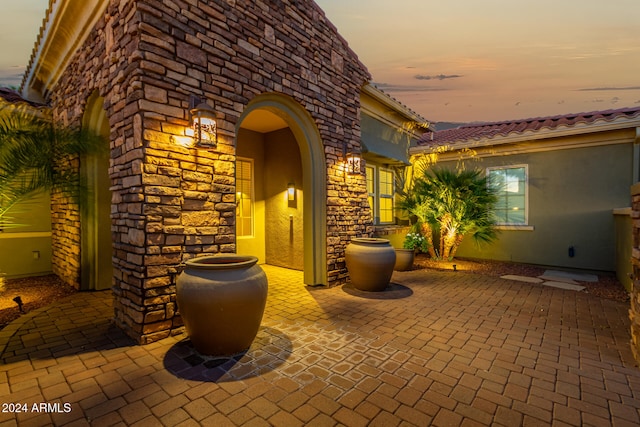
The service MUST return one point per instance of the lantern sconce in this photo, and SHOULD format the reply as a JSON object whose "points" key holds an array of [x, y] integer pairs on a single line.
{"points": [[291, 192], [203, 122], [353, 164], [352, 161]]}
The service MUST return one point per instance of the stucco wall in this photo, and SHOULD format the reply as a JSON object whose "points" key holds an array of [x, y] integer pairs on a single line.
{"points": [[572, 194], [283, 219], [25, 250], [384, 143], [278, 222]]}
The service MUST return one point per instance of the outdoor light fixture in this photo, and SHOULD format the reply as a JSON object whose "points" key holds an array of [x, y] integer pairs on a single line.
{"points": [[291, 192], [18, 301], [203, 123], [353, 164], [352, 161]]}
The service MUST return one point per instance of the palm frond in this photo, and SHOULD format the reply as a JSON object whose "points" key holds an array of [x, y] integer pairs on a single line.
{"points": [[455, 203], [36, 155]]}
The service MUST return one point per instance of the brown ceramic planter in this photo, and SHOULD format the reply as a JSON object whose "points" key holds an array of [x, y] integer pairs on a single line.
{"points": [[404, 259], [370, 263], [222, 300]]}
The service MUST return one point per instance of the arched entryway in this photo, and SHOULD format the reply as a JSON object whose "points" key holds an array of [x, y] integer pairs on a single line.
{"points": [[279, 145], [96, 268]]}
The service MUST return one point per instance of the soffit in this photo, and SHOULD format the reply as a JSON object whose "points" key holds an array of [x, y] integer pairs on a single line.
{"points": [[378, 104], [263, 121]]}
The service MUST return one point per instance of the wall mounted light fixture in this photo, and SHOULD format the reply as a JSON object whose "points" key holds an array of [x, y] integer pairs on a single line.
{"points": [[203, 122], [352, 160], [291, 192]]}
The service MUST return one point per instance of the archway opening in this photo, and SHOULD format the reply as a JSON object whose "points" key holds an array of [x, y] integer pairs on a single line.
{"points": [[281, 187], [96, 245]]}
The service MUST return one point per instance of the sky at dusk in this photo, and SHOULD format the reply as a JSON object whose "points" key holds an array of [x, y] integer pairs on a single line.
{"points": [[470, 60], [459, 60], [18, 33]]}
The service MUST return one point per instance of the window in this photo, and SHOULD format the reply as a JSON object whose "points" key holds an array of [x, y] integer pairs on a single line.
{"points": [[386, 196], [244, 197], [511, 186], [371, 189], [380, 192]]}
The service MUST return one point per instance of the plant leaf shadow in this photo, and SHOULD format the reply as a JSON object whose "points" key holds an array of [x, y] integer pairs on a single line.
{"points": [[270, 349]]}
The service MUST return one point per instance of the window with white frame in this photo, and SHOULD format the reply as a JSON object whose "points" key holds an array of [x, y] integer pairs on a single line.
{"points": [[510, 184], [244, 197], [380, 192], [386, 196], [371, 189]]}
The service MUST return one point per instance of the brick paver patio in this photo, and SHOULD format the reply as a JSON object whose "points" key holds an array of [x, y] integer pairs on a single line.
{"points": [[440, 348]]}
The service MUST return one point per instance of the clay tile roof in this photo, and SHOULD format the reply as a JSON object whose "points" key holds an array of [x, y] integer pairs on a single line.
{"points": [[10, 96], [483, 131]]}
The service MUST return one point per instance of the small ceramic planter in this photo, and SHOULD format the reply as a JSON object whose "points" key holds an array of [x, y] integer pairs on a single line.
{"points": [[404, 259], [221, 300], [370, 263]]}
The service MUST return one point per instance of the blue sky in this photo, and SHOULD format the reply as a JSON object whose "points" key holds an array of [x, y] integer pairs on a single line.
{"points": [[459, 60]]}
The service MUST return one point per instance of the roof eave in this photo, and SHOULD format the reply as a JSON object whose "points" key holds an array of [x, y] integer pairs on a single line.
{"points": [[65, 28], [527, 136], [396, 106]]}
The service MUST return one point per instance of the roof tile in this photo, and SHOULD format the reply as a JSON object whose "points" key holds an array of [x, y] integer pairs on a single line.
{"points": [[478, 131], [10, 96]]}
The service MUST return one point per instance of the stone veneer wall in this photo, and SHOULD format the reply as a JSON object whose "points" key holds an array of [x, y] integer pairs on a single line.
{"points": [[171, 202], [90, 71], [634, 312]]}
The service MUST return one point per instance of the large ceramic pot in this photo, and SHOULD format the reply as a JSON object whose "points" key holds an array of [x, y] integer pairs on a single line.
{"points": [[222, 299], [404, 259], [370, 263]]}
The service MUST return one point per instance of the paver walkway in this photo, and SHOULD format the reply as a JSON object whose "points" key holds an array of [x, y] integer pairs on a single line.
{"points": [[441, 348]]}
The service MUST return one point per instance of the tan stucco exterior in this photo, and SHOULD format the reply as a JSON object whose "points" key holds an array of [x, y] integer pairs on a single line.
{"points": [[577, 177], [25, 250]]}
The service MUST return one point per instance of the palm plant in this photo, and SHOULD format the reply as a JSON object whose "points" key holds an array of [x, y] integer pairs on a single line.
{"points": [[452, 205], [414, 204], [33, 153]]}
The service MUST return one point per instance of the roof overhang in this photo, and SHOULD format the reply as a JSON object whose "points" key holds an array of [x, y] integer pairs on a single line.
{"points": [[557, 134], [386, 109], [65, 28], [387, 127]]}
